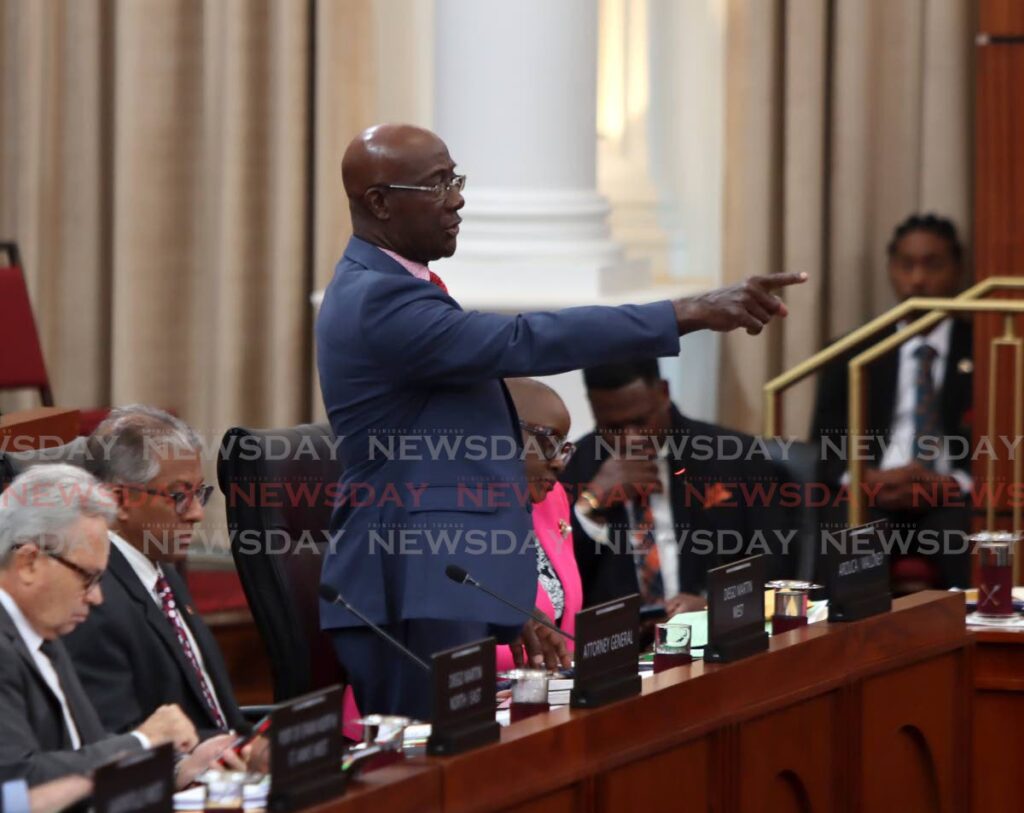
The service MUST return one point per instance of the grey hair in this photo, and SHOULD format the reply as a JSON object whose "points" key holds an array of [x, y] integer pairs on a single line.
{"points": [[44, 501], [129, 445]]}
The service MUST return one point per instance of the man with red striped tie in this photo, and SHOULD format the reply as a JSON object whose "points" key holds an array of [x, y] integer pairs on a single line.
{"points": [[430, 441]]}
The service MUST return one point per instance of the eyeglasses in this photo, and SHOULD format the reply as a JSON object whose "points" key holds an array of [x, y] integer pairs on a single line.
{"points": [[182, 499], [553, 446], [439, 191], [90, 578]]}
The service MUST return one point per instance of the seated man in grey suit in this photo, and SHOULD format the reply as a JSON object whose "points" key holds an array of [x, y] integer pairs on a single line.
{"points": [[146, 646], [53, 553]]}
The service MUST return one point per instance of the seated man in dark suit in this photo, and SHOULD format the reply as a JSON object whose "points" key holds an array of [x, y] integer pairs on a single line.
{"points": [[919, 397], [146, 646], [53, 553], [660, 497]]}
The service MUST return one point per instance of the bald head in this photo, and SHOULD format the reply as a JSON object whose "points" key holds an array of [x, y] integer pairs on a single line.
{"points": [[411, 222], [538, 404], [386, 153]]}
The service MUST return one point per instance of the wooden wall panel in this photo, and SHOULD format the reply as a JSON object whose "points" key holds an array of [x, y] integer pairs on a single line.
{"points": [[568, 800], [788, 759], [911, 729], [1002, 17], [998, 219], [997, 781], [677, 779]]}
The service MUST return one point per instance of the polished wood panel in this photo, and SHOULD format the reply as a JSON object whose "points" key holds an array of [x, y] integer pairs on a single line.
{"points": [[916, 737], [569, 800], [997, 752], [998, 214], [412, 787], [685, 771], [40, 428], [788, 759], [1002, 17]]}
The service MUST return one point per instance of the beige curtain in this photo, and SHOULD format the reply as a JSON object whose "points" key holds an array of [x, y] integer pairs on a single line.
{"points": [[170, 169], [842, 117]]}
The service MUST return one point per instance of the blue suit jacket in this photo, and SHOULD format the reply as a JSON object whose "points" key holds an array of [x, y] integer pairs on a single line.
{"points": [[430, 442]]}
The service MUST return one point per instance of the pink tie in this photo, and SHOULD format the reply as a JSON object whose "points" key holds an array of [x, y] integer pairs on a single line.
{"points": [[167, 603]]}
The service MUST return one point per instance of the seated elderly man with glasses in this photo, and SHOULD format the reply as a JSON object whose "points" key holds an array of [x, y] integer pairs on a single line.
{"points": [[53, 554], [146, 646]]}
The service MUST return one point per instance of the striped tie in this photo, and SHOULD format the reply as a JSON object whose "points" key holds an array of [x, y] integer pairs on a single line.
{"points": [[434, 278], [168, 605]]}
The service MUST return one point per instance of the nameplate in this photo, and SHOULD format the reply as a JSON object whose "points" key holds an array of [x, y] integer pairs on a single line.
{"points": [[736, 611], [463, 700], [306, 750], [606, 653], [141, 782], [857, 572]]}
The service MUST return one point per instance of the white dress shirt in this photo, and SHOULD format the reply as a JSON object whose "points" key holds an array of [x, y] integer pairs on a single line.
{"points": [[33, 641], [664, 530], [148, 573], [900, 449]]}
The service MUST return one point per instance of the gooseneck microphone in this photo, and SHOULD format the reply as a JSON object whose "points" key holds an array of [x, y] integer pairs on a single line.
{"points": [[460, 576], [332, 596]]}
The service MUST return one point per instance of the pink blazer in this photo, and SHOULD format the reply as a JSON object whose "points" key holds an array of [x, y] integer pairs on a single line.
{"points": [[553, 526]]}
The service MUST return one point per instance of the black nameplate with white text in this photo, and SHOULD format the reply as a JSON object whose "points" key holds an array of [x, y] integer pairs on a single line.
{"points": [[463, 707], [141, 782], [305, 750], [606, 653], [857, 572], [736, 611]]}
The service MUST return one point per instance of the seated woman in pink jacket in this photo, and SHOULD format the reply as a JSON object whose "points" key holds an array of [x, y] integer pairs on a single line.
{"points": [[545, 424]]}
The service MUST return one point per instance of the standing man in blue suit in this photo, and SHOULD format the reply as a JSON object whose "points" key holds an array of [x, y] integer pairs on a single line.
{"points": [[412, 383]]}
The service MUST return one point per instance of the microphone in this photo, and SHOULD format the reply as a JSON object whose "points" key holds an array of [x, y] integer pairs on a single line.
{"points": [[460, 576], [332, 596]]}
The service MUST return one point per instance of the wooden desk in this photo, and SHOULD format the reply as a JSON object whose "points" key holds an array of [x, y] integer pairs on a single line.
{"points": [[997, 783], [412, 787], [869, 716], [39, 428]]}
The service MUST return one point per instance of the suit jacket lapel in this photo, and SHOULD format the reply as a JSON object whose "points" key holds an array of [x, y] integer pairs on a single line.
{"points": [[90, 729], [957, 380], [11, 631], [155, 618]]}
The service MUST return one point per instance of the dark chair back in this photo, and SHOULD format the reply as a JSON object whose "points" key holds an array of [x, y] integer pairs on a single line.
{"points": [[798, 465], [278, 486], [14, 463]]}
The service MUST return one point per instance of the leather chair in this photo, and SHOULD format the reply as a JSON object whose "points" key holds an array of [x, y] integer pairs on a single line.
{"points": [[278, 486], [14, 463], [798, 462]]}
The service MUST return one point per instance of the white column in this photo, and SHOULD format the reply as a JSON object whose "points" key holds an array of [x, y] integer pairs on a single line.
{"points": [[623, 119], [515, 99]]}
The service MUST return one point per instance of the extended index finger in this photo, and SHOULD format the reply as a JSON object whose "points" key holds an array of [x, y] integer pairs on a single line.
{"points": [[774, 281]]}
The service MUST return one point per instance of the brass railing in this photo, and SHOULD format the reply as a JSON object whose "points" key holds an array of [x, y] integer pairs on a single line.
{"points": [[938, 309]]}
